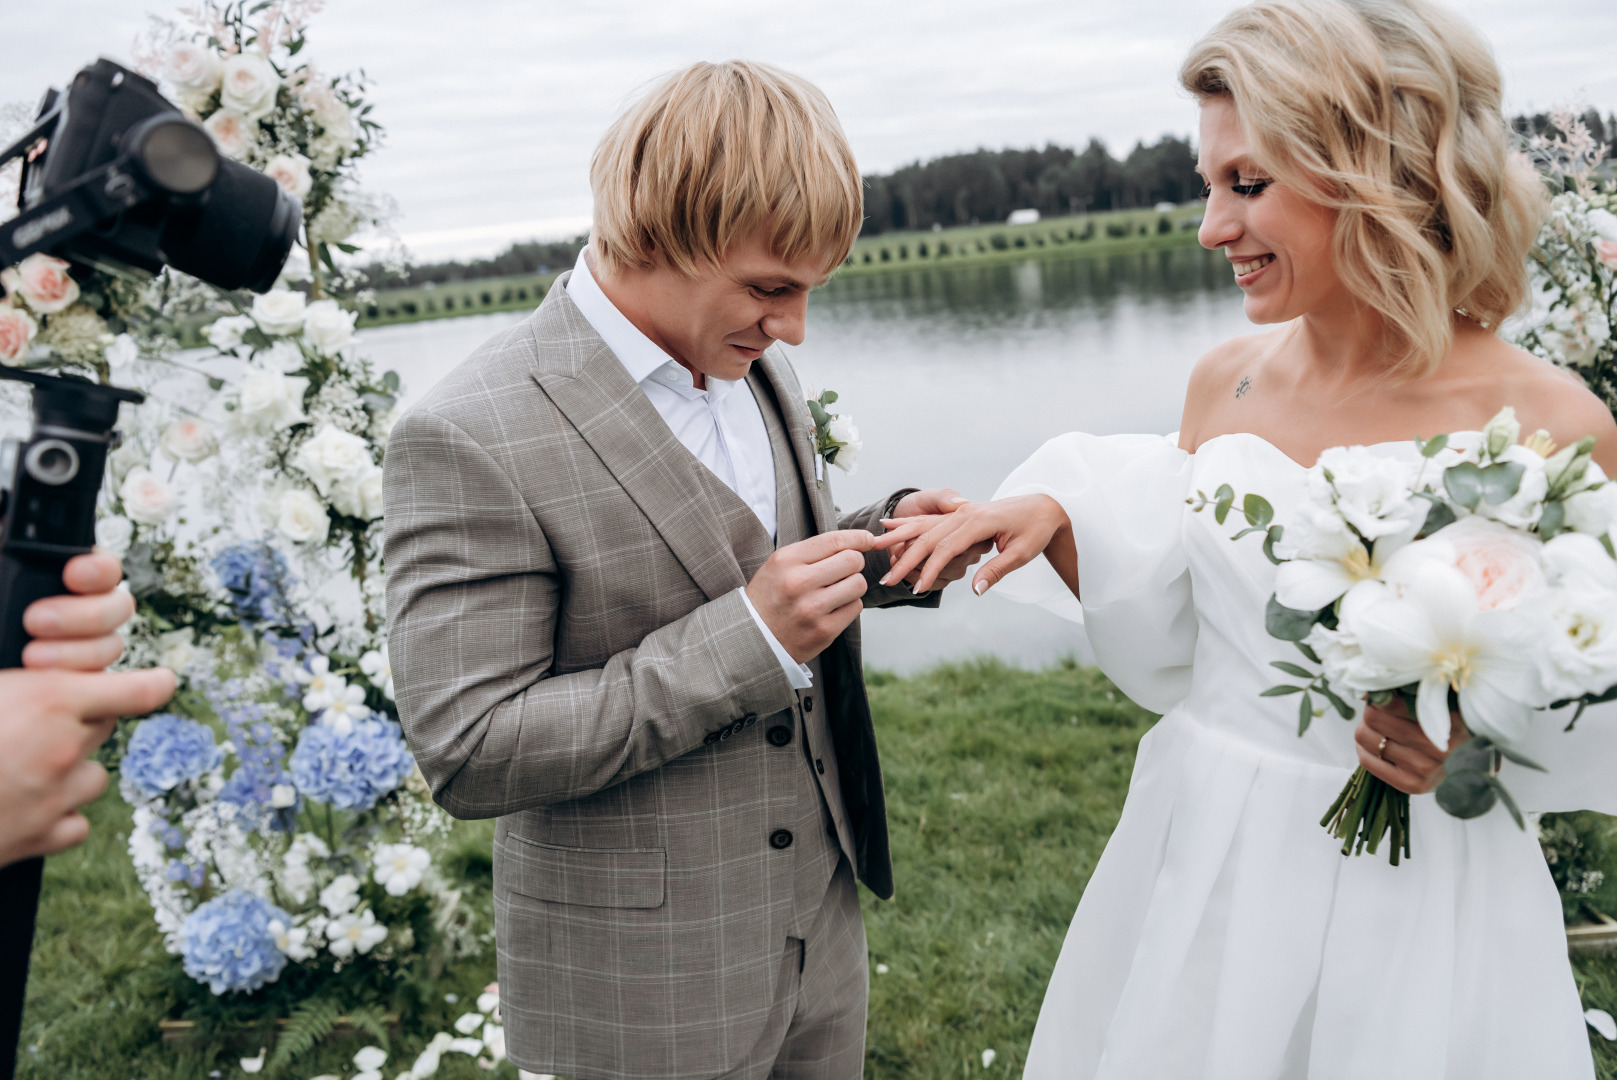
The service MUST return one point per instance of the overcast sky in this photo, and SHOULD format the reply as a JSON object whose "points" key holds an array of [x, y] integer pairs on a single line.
{"points": [[493, 106]]}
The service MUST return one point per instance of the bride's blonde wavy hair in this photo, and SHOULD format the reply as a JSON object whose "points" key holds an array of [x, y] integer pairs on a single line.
{"points": [[1387, 111]]}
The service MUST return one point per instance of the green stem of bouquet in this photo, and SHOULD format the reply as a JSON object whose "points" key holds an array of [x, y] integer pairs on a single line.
{"points": [[1365, 812]]}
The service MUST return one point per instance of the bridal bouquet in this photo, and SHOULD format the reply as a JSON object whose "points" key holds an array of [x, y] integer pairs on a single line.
{"points": [[1476, 575]]}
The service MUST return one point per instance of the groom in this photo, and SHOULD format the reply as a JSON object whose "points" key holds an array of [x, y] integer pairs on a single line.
{"points": [[624, 612]]}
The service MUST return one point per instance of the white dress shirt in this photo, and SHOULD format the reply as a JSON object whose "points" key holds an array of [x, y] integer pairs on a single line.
{"points": [[722, 425]]}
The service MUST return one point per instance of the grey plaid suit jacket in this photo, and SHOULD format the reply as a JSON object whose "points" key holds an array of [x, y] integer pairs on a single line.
{"points": [[566, 641]]}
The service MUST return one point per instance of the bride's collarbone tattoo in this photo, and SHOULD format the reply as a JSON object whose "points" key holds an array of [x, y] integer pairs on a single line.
{"points": [[1242, 387]]}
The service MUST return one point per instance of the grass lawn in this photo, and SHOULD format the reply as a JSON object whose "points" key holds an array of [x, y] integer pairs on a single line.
{"points": [[1002, 788]]}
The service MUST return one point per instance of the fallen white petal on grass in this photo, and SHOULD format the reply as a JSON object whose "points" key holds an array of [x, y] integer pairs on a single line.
{"points": [[470, 1047], [882, 969], [469, 1022], [253, 1064], [370, 1058], [1602, 1021], [988, 1058]]}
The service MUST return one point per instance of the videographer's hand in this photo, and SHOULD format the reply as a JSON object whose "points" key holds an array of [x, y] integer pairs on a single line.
{"points": [[79, 631], [808, 592], [51, 722]]}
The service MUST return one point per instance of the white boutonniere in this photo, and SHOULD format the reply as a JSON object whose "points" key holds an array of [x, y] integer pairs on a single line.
{"points": [[836, 439]]}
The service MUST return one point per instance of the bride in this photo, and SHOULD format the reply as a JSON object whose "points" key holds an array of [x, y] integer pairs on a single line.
{"points": [[1360, 181]]}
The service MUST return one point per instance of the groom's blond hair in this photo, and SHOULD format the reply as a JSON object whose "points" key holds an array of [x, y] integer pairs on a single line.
{"points": [[714, 152], [1388, 112]]}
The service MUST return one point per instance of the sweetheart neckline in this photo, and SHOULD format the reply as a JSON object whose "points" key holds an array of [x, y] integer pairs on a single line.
{"points": [[1265, 442]]}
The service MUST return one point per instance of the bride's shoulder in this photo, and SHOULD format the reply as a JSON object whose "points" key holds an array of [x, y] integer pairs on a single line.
{"points": [[1222, 375], [1543, 395]]}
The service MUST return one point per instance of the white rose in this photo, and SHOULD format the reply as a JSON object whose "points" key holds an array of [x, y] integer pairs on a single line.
{"points": [[122, 352], [327, 326], [359, 496], [126, 457], [1604, 223], [272, 400], [302, 518], [842, 430], [333, 456], [146, 499], [194, 68], [1502, 432], [114, 533], [1593, 512], [283, 796], [176, 650], [189, 439], [233, 133], [248, 84], [284, 355], [1373, 491], [382, 425], [1521, 510], [280, 311], [225, 334], [291, 171]]}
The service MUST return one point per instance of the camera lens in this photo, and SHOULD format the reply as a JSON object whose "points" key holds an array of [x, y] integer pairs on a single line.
{"points": [[52, 461], [240, 234], [174, 154]]}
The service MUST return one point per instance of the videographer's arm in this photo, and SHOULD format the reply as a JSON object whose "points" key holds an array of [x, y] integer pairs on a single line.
{"points": [[53, 719]]}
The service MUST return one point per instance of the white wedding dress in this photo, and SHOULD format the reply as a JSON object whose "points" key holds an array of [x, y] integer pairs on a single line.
{"points": [[1223, 936]]}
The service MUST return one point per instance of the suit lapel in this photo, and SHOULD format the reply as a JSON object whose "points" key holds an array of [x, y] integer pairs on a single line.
{"points": [[621, 425], [794, 414]]}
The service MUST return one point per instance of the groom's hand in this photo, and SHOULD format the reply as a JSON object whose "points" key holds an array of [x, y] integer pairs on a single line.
{"points": [[935, 502], [808, 592]]}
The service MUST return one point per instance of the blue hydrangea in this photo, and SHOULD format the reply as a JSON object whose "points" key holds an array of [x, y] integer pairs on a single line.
{"points": [[227, 942], [350, 771], [165, 751], [258, 580]]}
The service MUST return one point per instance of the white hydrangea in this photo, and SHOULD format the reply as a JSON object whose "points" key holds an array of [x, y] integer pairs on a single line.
{"points": [[354, 933], [400, 867]]}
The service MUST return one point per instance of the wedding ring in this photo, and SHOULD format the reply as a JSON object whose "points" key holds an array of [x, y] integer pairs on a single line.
{"points": [[1381, 750]]}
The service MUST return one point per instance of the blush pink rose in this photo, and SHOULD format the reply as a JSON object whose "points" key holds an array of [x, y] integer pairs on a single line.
{"points": [[17, 330], [46, 284], [1504, 566], [1607, 250]]}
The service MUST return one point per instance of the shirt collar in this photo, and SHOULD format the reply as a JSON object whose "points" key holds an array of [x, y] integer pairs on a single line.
{"points": [[641, 357]]}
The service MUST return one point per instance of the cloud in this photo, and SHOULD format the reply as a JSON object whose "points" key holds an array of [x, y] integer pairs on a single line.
{"points": [[493, 107]]}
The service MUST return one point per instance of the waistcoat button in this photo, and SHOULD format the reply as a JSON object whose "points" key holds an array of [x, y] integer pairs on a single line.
{"points": [[779, 735], [808, 704], [780, 839]]}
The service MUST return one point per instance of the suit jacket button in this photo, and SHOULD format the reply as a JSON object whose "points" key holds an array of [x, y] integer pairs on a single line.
{"points": [[712, 737], [780, 839], [779, 735], [749, 720], [808, 704], [727, 732]]}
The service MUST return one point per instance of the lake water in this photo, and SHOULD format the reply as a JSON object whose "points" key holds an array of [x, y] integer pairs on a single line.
{"points": [[954, 376]]}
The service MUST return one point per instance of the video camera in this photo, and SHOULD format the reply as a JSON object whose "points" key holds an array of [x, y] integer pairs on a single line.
{"points": [[114, 178]]}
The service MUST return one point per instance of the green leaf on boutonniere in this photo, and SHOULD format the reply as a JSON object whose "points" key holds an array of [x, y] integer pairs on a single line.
{"points": [[1552, 520], [829, 397]]}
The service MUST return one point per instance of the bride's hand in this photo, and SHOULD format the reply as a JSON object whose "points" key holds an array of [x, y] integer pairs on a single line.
{"points": [[1393, 748], [1021, 528]]}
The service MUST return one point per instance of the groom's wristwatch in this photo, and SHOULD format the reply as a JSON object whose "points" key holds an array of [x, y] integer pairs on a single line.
{"points": [[892, 504]]}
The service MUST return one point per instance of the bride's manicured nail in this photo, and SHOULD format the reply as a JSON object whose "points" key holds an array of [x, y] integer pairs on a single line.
{"points": [[980, 587], [916, 588]]}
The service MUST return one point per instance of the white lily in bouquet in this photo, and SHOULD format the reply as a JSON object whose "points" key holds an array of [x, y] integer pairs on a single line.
{"points": [[1478, 578]]}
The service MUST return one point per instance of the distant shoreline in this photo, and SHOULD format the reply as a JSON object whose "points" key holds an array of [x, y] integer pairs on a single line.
{"points": [[1080, 236]]}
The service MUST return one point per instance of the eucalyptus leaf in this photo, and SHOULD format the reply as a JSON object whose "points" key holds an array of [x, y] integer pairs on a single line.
{"points": [[1282, 690], [379, 403], [1292, 669], [1305, 713], [1269, 542], [1434, 446], [215, 383], [390, 380], [1473, 756], [1463, 482], [1258, 511], [1440, 515], [1500, 790], [1286, 623], [1343, 709], [1501, 481], [1552, 520], [1307, 651], [1466, 795], [829, 397], [1248, 531], [1225, 498], [1520, 758]]}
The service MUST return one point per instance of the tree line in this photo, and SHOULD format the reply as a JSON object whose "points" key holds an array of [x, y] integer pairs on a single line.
{"points": [[963, 189]]}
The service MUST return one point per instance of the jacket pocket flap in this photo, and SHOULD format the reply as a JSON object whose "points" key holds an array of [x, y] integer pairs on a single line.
{"points": [[583, 876]]}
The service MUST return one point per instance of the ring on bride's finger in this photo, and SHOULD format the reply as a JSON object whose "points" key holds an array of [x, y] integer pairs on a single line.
{"points": [[1381, 750]]}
